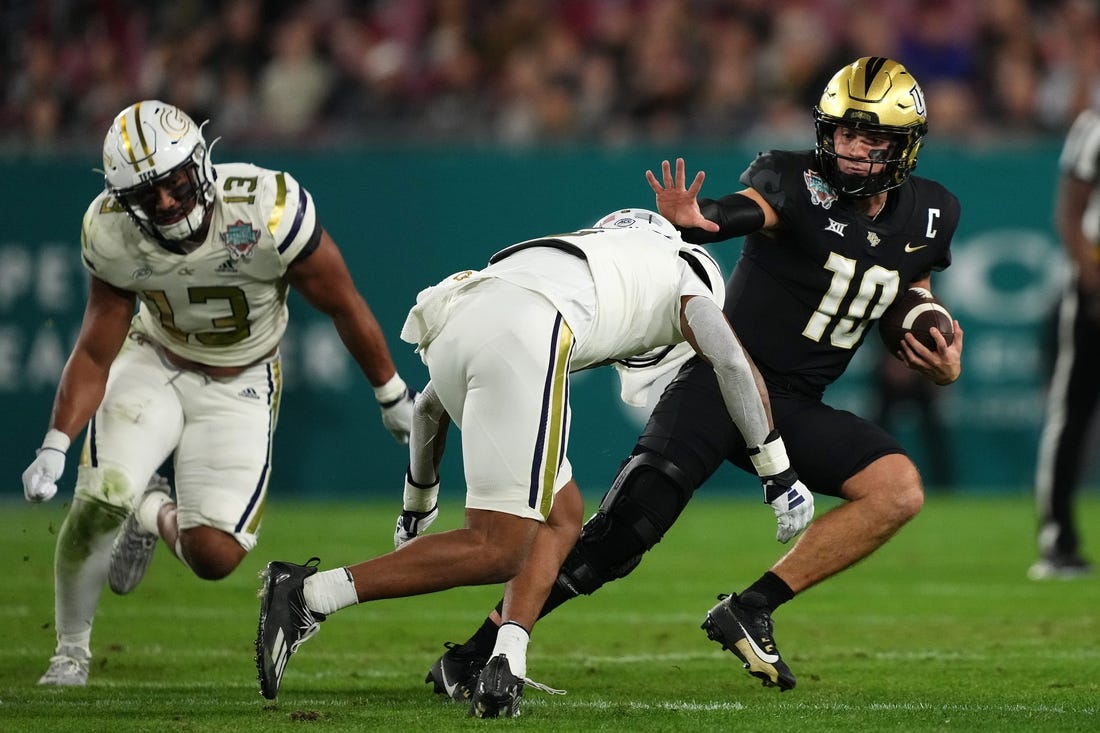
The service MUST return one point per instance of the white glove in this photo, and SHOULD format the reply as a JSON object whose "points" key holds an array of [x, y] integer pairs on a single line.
{"points": [[410, 524], [419, 508], [396, 400], [40, 478], [792, 503]]}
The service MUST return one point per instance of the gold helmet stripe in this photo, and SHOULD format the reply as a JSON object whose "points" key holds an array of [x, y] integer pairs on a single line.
{"points": [[141, 139]]}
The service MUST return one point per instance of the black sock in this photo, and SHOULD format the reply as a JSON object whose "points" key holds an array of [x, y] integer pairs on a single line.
{"points": [[769, 592], [559, 594], [485, 638]]}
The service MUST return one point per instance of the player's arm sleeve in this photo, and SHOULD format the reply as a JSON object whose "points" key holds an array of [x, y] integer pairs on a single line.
{"points": [[735, 215], [426, 443], [743, 395]]}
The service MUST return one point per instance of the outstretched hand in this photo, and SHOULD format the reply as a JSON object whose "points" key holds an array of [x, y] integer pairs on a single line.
{"points": [[677, 203]]}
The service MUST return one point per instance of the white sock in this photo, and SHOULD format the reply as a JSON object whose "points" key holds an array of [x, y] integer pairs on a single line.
{"points": [[329, 590], [148, 509], [83, 557], [512, 640], [81, 641]]}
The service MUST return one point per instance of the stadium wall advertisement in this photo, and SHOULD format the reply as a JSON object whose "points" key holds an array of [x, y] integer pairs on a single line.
{"points": [[407, 218]]}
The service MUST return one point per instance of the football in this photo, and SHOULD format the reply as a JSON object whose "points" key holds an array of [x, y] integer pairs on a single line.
{"points": [[915, 311]]}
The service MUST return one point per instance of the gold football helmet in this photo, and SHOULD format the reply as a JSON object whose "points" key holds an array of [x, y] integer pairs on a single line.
{"points": [[876, 95]]}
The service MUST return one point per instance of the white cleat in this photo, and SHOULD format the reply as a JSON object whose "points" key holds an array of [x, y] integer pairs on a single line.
{"points": [[133, 548], [68, 668]]}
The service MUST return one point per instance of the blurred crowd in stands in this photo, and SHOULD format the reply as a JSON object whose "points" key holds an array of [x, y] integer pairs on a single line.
{"points": [[316, 73]]}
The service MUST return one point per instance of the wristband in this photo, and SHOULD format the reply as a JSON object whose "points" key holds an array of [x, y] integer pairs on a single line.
{"points": [[55, 440], [392, 392], [420, 498], [770, 457]]}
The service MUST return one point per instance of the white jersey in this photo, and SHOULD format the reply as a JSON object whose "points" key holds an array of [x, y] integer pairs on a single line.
{"points": [[638, 279], [500, 342], [634, 278], [224, 304]]}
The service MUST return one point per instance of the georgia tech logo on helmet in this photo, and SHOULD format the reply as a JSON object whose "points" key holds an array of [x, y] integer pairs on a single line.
{"points": [[175, 122], [633, 218]]}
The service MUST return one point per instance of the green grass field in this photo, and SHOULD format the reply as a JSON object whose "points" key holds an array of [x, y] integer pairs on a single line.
{"points": [[939, 631]]}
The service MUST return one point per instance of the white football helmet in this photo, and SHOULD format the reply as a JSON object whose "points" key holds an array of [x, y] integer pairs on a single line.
{"points": [[637, 218], [149, 143]]}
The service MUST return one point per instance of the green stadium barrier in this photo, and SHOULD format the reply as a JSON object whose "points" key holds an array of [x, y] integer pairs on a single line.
{"points": [[406, 218]]}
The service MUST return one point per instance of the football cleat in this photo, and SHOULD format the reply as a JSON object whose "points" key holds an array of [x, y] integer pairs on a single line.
{"points": [[455, 673], [747, 632], [498, 692], [285, 621], [68, 668], [133, 548], [1060, 567]]}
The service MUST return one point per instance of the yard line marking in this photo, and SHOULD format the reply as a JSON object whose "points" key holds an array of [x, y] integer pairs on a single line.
{"points": [[604, 703]]}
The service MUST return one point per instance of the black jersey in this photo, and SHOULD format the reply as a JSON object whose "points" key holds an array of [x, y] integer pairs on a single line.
{"points": [[804, 293]]}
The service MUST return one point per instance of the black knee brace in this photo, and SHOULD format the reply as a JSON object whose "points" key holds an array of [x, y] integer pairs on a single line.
{"points": [[644, 501]]}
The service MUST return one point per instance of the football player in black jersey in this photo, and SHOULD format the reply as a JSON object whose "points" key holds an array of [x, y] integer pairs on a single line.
{"points": [[832, 236]]}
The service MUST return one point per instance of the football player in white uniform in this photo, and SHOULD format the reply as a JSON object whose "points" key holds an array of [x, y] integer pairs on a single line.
{"points": [[500, 344], [206, 253]]}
